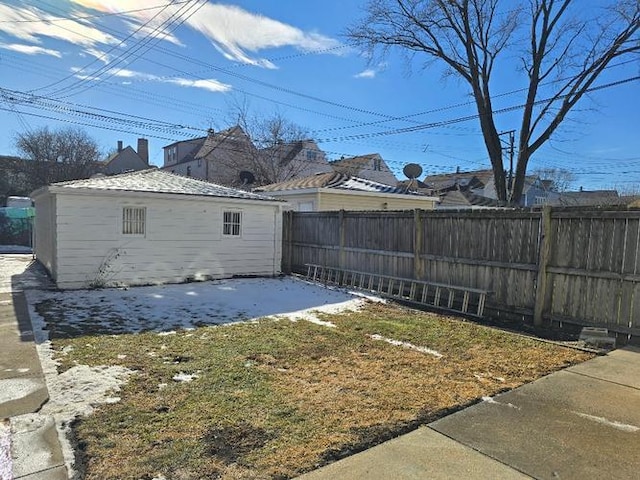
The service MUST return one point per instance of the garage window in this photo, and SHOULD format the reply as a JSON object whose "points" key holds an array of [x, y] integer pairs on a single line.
{"points": [[232, 223], [134, 220]]}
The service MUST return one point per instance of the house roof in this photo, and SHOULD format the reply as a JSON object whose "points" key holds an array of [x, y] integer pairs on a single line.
{"points": [[333, 180], [234, 135], [590, 197], [353, 165], [465, 198], [159, 181], [447, 180]]}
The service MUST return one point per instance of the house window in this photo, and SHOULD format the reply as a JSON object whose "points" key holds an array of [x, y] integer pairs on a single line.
{"points": [[134, 220], [377, 164], [231, 223], [199, 162], [188, 171], [311, 155]]}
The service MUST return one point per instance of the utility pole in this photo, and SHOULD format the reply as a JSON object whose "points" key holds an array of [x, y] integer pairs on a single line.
{"points": [[510, 145]]}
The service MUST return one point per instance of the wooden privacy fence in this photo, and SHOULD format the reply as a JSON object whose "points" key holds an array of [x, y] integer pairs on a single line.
{"points": [[579, 266]]}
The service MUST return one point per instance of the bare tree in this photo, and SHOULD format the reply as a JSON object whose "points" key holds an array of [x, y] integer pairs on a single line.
{"points": [[563, 48], [278, 142], [560, 179], [54, 156]]}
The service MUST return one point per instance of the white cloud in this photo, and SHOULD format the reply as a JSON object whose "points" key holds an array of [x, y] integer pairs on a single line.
{"points": [[368, 73], [233, 31], [104, 57], [210, 84], [372, 72], [30, 49], [12, 22]]}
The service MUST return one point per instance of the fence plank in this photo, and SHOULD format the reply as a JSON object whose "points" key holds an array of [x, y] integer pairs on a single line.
{"points": [[570, 265]]}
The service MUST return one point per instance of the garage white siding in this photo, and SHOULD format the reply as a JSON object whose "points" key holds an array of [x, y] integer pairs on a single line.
{"points": [[183, 238]]}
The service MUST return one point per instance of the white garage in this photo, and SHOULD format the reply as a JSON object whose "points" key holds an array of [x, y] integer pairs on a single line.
{"points": [[151, 227]]}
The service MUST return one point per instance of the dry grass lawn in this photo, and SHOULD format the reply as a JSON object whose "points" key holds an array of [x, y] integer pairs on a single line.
{"points": [[275, 398]]}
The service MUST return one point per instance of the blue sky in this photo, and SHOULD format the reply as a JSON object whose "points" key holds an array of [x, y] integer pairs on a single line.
{"points": [[100, 64]]}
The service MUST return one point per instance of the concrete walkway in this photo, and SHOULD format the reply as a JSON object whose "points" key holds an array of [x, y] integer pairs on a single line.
{"points": [[29, 446], [582, 422]]}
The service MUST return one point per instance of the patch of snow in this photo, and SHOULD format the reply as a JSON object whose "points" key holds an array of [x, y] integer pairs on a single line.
{"points": [[20, 271], [74, 392], [618, 425], [408, 345], [6, 464], [170, 332], [169, 308], [184, 377], [492, 401], [121, 357]]}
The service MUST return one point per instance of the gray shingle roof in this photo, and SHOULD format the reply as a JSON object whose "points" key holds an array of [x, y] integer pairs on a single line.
{"points": [[160, 181], [333, 180]]}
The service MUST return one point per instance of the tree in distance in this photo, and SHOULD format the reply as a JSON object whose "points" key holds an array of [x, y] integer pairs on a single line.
{"points": [[56, 155], [563, 47]]}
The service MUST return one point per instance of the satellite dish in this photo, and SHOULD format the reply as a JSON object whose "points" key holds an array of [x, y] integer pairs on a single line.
{"points": [[412, 170], [246, 177]]}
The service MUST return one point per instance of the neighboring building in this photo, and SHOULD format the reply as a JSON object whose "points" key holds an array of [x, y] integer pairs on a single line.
{"points": [[594, 198], [127, 159], [472, 186], [465, 199], [336, 191], [465, 181], [292, 160], [152, 227], [219, 157], [370, 167], [535, 192]]}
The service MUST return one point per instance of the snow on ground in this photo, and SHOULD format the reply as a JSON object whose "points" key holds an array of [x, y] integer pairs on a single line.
{"points": [[6, 464], [408, 345], [19, 271], [162, 309], [166, 308]]}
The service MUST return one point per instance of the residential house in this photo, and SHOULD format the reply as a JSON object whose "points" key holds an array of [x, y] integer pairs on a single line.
{"points": [[152, 227], [466, 181], [291, 160], [127, 159], [591, 198], [535, 192], [370, 167], [337, 191], [220, 157], [466, 199]]}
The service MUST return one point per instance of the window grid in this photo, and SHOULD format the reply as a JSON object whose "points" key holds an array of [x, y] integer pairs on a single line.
{"points": [[231, 223], [134, 220]]}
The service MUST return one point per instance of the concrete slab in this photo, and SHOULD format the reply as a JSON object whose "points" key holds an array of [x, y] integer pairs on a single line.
{"points": [[22, 395], [35, 445], [57, 473], [620, 366], [566, 426], [420, 454]]}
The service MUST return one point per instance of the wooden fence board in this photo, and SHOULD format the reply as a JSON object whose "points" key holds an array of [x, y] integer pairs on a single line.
{"points": [[592, 271]]}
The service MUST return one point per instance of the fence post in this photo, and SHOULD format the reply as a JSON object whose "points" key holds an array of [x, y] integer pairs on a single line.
{"points": [[287, 243], [544, 254], [341, 252], [418, 267]]}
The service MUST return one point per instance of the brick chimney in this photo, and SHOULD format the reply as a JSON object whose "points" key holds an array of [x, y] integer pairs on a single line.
{"points": [[143, 149], [119, 146]]}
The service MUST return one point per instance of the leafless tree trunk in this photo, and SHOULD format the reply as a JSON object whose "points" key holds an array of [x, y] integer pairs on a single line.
{"points": [[566, 48]]}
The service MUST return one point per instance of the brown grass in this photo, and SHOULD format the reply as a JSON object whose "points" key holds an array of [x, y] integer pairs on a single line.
{"points": [[276, 398]]}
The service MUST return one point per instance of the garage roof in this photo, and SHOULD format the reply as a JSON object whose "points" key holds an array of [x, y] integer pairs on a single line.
{"points": [[159, 181]]}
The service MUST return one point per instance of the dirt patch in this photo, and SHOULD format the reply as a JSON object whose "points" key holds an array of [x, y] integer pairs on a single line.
{"points": [[233, 442]]}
